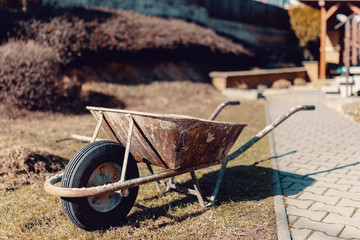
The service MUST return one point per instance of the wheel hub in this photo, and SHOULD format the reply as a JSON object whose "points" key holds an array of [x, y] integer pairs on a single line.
{"points": [[108, 172]]}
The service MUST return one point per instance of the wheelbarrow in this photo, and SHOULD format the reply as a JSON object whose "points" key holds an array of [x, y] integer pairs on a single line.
{"points": [[100, 183]]}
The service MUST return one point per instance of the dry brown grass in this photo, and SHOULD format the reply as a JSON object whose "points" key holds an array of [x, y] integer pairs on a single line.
{"points": [[244, 208]]}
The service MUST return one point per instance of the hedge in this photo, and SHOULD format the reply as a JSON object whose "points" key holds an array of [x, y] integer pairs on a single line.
{"points": [[29, 76]]}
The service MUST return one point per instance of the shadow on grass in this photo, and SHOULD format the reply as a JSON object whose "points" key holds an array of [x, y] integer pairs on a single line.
{"points": [[89, 98], [240, 183]]}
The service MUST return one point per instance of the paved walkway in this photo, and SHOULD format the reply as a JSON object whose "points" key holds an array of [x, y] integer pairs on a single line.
{"points": [[319, 168]]}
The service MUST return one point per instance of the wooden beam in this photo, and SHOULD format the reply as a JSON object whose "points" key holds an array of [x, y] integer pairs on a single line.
{"points": [[354, 52], [323, 26], [358, 40], [347, 53], [354, 8], [332, 10]]}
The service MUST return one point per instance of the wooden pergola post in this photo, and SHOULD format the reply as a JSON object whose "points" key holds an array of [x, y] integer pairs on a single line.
{"points": [[323, 26], [354, 49], [325, 15], [355, 35]]}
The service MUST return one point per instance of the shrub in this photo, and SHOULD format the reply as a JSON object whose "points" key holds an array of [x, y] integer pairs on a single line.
{"points": [[299, 81], [281, 83], [305, 22], [78, 33], [357, 113], [29, 76]]}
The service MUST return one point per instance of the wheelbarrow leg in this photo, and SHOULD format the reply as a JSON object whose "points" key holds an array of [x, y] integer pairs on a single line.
{"points": [[170, 185], [217, 184], [157, 183], [171, 181], [197, 188]]}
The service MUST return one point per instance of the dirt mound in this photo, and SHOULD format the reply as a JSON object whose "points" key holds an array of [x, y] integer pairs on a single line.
{"points": [[76, 34], [21, 166]]}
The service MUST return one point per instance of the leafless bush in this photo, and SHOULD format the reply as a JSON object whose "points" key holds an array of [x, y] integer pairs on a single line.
{"points": [[76, 33], [29, 76]]}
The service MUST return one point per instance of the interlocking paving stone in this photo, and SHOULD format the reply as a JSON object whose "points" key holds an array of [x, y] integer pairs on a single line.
{"points": [[315, 190], [342, 176], [313, 215], [346, 202], [300, 234], [327, 179], [303, 204], [292, 218], [337, 170], [322, 236], [292, 179], [322, 173], [296, 187], [354, 189], [340, 187], [336, 218], [343, 211], [325, 199], [310, 167], [350, 232], [329, 229], [337, 193], [305, 172], [354, 172], [345, 181]]}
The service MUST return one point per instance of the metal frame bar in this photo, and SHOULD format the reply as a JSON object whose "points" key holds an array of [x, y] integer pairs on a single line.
{"points": [[125, 192], [220, 107], [98, 126]]}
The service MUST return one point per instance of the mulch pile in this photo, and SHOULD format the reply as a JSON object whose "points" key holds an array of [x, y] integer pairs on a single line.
{"points": [[21, 166]]}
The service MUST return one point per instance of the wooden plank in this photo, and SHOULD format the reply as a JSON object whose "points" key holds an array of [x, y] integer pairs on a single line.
{"points": [[251, 79], [256, 72]]}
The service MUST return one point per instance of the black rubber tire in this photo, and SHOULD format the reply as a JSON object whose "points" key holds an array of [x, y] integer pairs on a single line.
{"points": [[77, 174]]}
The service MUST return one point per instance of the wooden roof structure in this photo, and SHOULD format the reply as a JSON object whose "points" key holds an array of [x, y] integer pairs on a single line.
{"points": [[327, 9]]}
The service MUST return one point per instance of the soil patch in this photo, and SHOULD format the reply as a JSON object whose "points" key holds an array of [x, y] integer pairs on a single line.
{"points": [[21, 166]]}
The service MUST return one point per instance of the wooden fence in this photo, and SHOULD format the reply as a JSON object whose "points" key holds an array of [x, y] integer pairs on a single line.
{"points": [[250, 12]]}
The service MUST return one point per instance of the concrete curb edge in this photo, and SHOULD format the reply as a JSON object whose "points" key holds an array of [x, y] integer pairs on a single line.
{"points": [[283, 231]]}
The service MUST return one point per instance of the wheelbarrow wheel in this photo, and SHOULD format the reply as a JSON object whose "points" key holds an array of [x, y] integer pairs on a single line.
{"points": [[97, 164]]}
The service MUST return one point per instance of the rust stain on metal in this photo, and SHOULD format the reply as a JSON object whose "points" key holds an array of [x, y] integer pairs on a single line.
{"points": [[171, 141]]}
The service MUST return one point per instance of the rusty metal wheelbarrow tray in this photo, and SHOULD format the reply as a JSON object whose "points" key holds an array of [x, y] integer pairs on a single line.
{"points": [[167, 140], [180, 144]]}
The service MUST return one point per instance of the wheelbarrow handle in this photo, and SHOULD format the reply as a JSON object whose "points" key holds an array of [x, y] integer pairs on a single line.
{"points": [[309, 107], [268, 129], [251, 142], [221, 106]]}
